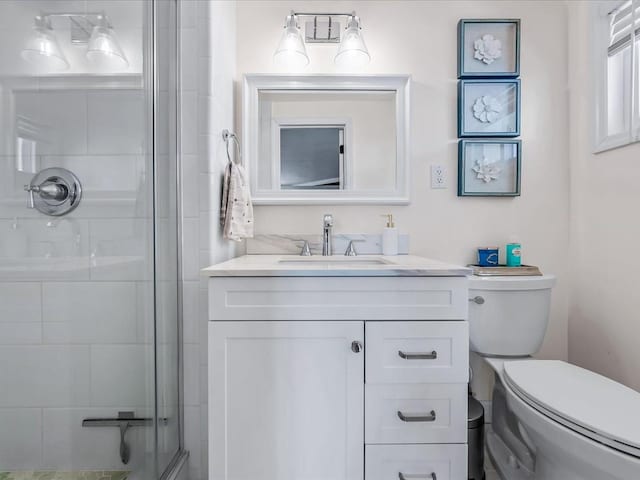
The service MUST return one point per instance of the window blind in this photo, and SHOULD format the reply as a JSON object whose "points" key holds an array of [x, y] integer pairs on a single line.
{"points": [[623, 21]]}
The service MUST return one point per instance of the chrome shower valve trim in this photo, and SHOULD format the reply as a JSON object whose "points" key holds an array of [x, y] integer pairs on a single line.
{"points": [[54, 191]]}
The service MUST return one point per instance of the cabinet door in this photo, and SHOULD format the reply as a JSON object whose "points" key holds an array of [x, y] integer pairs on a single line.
{"points": [[286, 401]]}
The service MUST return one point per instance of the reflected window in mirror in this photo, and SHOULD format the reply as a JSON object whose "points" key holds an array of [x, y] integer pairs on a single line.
{"points": [[312, 157]]}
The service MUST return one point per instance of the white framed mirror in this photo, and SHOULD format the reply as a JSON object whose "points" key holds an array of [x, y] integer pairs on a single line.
{"points": [[327, 139]]}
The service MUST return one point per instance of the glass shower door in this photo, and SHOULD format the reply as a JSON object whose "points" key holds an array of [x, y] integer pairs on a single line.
{"points": [[89, 339], [166, 195]]}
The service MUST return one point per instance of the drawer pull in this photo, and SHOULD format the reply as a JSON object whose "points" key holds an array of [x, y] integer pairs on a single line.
{"points": [[418, 355], [406, 476], [431, 417]]}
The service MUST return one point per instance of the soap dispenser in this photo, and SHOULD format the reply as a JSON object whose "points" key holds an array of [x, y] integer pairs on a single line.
{"points": [[389, 237]]}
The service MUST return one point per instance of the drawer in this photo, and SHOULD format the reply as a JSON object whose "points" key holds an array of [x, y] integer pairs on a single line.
{"points": [[417, 352], [415, 462], [338, 298], [434, 413]]}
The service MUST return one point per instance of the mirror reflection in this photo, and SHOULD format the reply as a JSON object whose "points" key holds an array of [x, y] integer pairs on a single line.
{"points": [[326, 139]]}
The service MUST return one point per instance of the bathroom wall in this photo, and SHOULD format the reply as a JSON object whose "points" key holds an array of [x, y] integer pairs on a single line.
{"points": [[603, 319], [419, 37], [207, 91]]}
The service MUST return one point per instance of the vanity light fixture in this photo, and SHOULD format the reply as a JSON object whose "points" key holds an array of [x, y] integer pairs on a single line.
{"points": [[352, 51], [42, 48], [322, 28], [291, 51], [91, 29], [103, 47]]}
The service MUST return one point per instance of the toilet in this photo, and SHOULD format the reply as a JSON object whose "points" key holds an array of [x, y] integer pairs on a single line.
{"points": [[550, 420]]}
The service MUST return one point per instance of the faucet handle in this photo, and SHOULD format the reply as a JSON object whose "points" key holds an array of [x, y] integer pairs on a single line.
{"points": [[306, 251], [351, 248], [31, 203], [351, 251]]}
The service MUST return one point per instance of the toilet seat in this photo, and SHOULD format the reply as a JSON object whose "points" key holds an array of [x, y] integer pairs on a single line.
{"points": [[587, 403]]}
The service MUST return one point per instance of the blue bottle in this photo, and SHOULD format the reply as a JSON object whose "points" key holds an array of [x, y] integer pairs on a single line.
{"points": [[514, 254]]}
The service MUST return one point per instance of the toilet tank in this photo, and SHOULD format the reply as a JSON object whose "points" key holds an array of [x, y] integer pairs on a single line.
{"points": [[509, 315]]}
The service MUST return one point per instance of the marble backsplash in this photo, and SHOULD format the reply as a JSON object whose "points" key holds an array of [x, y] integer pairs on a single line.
{"points": [[291, 244]]}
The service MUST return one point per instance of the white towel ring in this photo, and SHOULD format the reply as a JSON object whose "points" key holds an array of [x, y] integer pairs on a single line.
{"points": [[228, 136]]}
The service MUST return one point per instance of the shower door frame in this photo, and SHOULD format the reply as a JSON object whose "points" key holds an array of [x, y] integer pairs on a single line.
{"points": [[151, 64]]}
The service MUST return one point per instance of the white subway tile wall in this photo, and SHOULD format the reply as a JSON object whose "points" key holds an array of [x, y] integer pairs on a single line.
{"points": [[208, 85], [24, 445]]}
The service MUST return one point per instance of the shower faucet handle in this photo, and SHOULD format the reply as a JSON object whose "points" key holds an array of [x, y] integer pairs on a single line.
{"points": [[31, 203], [58, 191], [51, 189]]}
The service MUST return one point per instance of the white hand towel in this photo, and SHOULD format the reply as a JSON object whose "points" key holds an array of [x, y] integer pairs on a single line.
{"points": [[236, 214]]}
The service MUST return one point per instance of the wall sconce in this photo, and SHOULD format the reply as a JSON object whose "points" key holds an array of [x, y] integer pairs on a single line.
{"points": [[292, 53], [103, 47], [91, 29], [43, 48]]}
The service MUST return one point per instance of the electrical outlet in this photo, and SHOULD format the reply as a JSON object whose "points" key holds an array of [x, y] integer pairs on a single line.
{"points": [[438, 176]]}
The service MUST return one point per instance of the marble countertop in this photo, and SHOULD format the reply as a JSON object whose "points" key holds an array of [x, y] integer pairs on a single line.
{"points": [[334, 266]]}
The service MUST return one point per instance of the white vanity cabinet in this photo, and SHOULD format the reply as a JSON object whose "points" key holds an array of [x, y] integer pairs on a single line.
{"points": [[338, 378]]}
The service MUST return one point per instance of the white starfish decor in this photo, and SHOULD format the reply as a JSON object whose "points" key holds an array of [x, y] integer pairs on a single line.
{"points": [[486, 171], [487, 49]]}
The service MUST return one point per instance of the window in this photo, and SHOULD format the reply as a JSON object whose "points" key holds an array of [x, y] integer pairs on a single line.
{"points": [[311, 157], [311, 153], [617, 63]]}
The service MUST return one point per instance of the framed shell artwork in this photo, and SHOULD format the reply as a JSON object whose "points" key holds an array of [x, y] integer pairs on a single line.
{"points": [[488, 48], [489, 168], [489, 108]]}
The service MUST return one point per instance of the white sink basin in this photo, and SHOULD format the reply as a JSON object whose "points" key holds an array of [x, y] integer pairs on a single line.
{"points": [[338, 261]]}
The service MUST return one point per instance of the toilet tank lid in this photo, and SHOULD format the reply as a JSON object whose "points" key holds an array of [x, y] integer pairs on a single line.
{"points": [[540, 282], [604, 408]]}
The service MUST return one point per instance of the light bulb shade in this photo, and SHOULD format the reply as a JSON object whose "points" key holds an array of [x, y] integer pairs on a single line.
{"points": [[42, 49], [104, 49], [353, 52], [291, 52]]}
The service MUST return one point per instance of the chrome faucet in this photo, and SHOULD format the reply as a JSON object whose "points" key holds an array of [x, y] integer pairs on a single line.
{"points": [[326, 234]]}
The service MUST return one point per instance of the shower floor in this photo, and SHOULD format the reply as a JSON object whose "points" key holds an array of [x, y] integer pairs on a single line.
{"points": [[72, 475]]}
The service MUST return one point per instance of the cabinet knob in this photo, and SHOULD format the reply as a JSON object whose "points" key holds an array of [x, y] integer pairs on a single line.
{"points": [[477, 299], [356, 346]]}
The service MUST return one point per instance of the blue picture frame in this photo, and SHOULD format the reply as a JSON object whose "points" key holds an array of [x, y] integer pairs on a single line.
{"points": [[506, 120], [503, 157], [471, 67]]}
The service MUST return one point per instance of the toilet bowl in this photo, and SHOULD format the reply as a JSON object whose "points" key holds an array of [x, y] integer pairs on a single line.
{"points": [[550, 420]]}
